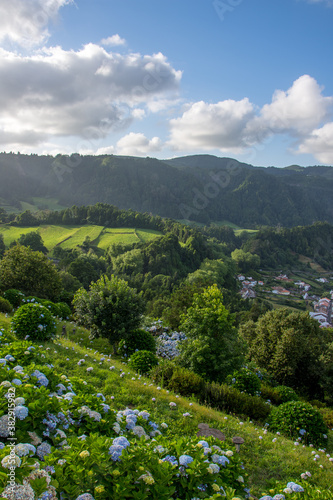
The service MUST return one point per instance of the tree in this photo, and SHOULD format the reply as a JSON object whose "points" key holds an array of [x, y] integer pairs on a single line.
{"points": [[2, 246], [110, 308], [212, 348], [34, 241], [245, 261], [30, 272], [287, 344]]}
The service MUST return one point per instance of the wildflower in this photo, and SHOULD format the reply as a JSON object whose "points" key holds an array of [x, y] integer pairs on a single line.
{"points": [[164, 425], [213, 469], [229, 453], [202, 443], [172, 404], [90, 369], [295, 487]]}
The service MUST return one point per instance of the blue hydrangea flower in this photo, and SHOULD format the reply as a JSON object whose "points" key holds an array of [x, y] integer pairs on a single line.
{"points": [[171, 459], [115, 451], [121, 441], [221, 460], [43, 450], [85, 496], [295, 487], [21, 412], [16, 381], [204, 444], [185, 460]]}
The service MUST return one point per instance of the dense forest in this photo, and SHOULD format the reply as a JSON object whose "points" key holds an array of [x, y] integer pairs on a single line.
{"points": [[199, 188]]}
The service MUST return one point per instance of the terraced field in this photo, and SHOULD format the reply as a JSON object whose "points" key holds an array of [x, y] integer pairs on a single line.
{"points": [[70, 236]]}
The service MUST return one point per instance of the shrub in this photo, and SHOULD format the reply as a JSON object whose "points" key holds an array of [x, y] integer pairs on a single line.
{"points": [[138, 340], [5, 305], [230, 400], [286, 394], [245, 381], [63, 310], [327, 414], [186, 383], [14, 296], [296, 419], [111, 308], [34, 320], [143, 361]]}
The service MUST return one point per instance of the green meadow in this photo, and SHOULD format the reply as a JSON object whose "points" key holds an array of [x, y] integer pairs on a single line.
{"points": [[68, 237]]}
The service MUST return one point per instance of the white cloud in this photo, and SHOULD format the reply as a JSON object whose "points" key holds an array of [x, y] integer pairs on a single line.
{"points": [[87, 93], [113, 40], [138, 145], [212, 126], [25, 22], [298, 110], [320, 144], [107, 150], [233, 126]]}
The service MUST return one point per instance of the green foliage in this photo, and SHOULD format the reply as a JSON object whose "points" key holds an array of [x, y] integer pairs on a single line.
{"points": [[143, 361], [33, 320], [211, 349], [34, 241], [245, 261], [295, 417], [219, 396], [110, 308], [244, 380], [2, 244], [137, 340], [286, 394], [14, 296], [288, 344], [5, 305], [30, 272]]}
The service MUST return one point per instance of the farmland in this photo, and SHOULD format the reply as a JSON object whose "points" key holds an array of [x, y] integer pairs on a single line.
{"points": [[68, 237]]}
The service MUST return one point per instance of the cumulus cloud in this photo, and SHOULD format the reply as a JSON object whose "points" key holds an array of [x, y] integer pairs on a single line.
{"points": [[85, 93], [298, 110], [233, 126], [320, 144], [212, 126], [113, 40], [25, 22], [138, 145]]}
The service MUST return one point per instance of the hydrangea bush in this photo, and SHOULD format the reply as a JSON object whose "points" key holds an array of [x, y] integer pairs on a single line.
{"points": [[245, 381], [138, 340], [297, 419], [33, 321], [143, 361]]}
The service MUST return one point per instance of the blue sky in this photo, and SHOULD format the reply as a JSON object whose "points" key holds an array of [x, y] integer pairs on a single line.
{"points": [[247, 79]]}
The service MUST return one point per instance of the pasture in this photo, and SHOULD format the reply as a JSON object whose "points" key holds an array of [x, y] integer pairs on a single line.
{"points": [[68, 237]]}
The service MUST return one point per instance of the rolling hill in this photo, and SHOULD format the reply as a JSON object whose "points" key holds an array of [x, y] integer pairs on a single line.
{"points": [[200, 188]]}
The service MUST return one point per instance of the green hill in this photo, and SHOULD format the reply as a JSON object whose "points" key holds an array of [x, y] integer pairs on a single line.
{"points": [[200, 188], [82, 366]]}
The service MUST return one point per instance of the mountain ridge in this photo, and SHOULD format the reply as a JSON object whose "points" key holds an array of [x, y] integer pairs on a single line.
{"points": [[201, 188]]}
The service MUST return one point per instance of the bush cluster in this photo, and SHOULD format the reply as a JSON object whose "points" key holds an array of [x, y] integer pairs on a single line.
{"points": [[219, 396], [5, 305], [138, 340], [244, 380], [34, 321], [14, 296], [143, 361], [297, 419]]}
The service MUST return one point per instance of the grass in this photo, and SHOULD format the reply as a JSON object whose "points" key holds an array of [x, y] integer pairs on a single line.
{"points": [[265, 461], [68, 237]]}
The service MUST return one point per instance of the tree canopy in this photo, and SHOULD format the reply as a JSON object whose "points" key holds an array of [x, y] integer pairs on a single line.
{"points": [[211, 349], [29, 271]]}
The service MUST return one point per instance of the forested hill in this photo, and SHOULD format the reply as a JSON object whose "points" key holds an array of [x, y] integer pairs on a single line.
{"points": [[201, 188]]}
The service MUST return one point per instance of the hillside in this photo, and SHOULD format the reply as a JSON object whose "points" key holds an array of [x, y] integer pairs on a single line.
{"points": [[201, 188], [96, 380]]}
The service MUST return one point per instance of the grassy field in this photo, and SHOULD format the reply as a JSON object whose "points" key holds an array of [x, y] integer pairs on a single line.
{"points": [[267, 458], [70, 236]]}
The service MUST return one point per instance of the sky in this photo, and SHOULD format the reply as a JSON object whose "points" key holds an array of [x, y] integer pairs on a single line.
{"points": [[247, 79]]}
